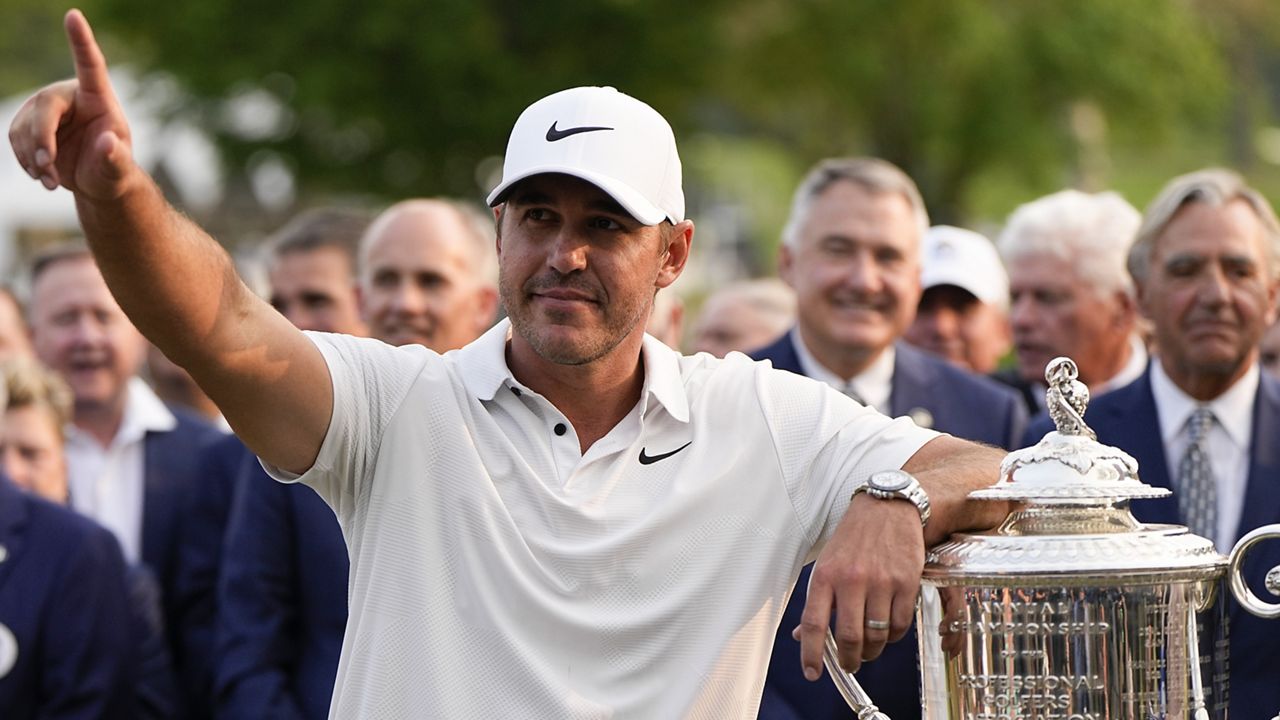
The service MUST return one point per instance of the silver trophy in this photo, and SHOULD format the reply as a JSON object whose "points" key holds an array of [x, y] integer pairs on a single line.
{"points": [[1071, 609]]}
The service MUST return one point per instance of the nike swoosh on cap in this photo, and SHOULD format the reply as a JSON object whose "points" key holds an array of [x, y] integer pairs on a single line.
{"points": [[650, 459], [553, 134]]}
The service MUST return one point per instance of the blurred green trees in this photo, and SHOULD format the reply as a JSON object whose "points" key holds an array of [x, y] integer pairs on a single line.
{"points": [[986, 103]]}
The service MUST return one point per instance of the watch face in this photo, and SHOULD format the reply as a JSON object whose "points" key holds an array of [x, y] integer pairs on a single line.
{"points": [[890, 480]]}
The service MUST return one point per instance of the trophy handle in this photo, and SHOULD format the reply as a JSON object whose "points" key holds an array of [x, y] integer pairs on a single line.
{"points": [[1238, 586], [847, 684]]}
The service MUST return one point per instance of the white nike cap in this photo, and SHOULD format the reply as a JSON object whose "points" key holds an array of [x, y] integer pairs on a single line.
{"points": [[608, 138], [965, 259]]}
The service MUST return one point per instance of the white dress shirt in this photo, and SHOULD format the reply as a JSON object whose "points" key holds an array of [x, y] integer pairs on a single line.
{"points": [[873, 385], [108, 483], [1132, 370], [1228, 441]]}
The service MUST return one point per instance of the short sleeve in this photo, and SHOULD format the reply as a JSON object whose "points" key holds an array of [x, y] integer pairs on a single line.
{"points": [[370, 381], [828, 444]]}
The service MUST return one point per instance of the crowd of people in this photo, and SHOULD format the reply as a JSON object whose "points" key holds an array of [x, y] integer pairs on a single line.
{"points": [[457, 526]]}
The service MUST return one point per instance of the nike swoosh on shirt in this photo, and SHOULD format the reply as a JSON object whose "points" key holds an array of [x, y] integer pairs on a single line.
{"points": [[553, 134], [650, 459]]}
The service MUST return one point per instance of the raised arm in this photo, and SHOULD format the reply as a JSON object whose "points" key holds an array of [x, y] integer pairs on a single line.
{"points": [[175, 282]]}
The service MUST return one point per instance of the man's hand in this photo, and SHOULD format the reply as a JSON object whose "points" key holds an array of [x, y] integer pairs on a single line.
{"points": [[868, 573], [73, 133]]}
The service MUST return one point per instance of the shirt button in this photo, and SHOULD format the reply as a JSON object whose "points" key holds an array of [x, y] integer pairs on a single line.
{"points": [[516, 391], [560, 429]]}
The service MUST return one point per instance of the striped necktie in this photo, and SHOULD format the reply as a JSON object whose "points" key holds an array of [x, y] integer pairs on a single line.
{"points": [[1197, 491]]}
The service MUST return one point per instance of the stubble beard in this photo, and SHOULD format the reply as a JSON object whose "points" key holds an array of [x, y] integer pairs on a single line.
{"points": [[590, 349]]}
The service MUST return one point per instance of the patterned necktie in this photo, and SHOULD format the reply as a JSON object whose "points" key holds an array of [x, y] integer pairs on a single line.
{"points": [[1197, 491]]}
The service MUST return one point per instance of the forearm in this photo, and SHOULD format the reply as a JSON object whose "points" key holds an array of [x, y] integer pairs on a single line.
{"points": [[177, 284], [949, 469]]}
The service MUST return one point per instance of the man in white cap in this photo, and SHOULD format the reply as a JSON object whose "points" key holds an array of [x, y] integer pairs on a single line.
{"points": [[563, 518], [963, 314]]}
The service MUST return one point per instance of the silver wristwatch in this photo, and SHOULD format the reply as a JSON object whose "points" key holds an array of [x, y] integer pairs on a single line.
{"points": [[897, 485]]}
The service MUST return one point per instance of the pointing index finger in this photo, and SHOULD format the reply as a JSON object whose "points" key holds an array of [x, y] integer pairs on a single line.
{"points": [[91, 65]]}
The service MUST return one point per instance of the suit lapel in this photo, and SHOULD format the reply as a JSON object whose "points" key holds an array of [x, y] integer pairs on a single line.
{"points": [[1131, 423], [158, 502], [914, 384], [13, 520], [1260, 507], [782, 353]]}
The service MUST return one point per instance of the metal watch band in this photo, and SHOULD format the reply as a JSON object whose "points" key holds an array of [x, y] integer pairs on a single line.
{"points": [[897, 485]]}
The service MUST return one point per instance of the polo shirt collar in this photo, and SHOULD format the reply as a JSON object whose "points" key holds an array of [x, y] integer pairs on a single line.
{"points": [[483, 362], [662, 379], [483, 365]]}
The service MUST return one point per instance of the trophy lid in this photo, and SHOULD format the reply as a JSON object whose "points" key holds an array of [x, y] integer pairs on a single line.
{"points": [[1068, 466], [1073, 523]]}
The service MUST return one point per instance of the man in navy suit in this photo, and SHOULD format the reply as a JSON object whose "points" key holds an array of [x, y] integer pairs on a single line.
{"points": [[851, 250], [1205, 266], [64, 650], [282, 593], [134, 465]]}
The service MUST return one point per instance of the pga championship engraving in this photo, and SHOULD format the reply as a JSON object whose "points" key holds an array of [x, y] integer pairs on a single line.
{"points": [[1071, 609]]}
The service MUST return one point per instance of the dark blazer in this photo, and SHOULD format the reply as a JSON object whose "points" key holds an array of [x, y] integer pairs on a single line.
{"points": [[960, 403], [185, 504], [1126, 418], [1032, 396], [64, 600], [282, 601]]}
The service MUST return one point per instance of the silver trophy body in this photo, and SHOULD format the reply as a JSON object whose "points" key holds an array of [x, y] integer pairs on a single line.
{"points": [[1071, 609]]}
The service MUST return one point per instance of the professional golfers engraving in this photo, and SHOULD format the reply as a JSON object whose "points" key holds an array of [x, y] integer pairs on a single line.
{"points": [[1071, 609]]}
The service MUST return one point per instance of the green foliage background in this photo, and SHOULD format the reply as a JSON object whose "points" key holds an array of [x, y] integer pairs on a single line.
{"points": [[987, 103]]}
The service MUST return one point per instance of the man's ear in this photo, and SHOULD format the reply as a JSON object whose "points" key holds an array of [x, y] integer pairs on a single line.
{"points": [[1140, 300], [497, 227], [486, 308], [1126, 310], [1273, 293], [360, 303], [786, 265], [678, 245]]}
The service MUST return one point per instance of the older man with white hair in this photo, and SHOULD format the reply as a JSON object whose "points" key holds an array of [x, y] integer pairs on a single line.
{"points": [[1070, 293]]}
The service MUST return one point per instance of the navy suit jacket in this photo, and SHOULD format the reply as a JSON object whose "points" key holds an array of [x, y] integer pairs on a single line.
{"points": [[960, 403], [1126, 418], [184, 510], [282, 601], [64, 599]]}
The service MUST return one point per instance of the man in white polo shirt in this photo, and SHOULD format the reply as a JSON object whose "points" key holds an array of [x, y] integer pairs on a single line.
{"points": [[563, 519]]}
